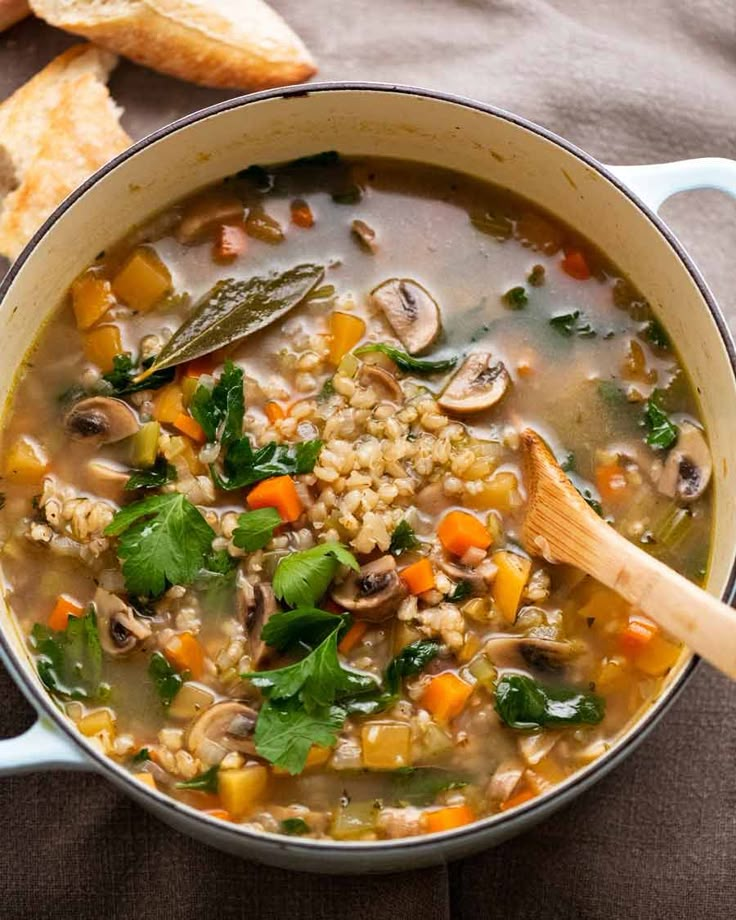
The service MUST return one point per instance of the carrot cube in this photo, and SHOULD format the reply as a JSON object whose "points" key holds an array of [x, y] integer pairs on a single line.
{"points": [[280, 493]]}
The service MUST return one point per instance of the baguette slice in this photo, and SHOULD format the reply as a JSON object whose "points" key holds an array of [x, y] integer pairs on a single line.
{"points": [[12, 11], [236, 44], [54, 131]]}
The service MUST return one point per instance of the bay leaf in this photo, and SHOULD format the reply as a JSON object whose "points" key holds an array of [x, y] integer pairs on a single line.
{"points": [[233, 309]]}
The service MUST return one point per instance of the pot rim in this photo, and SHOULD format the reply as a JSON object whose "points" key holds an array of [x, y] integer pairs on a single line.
{"points": [[578, 781]]}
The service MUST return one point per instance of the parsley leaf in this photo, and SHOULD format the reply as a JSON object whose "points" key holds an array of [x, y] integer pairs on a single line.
{"points": [[294, 826], [216, 580], [166, 680], [574, 323], [158, 475], [203, 782], [406, 362], [70, 662], [285, 732], [164, 541], [124, 369], [524, 704], [403, 539], [655, 333], [662, 430], [516, 298], [568, 464], [141, 756], [220, 410], [255, 528], [306, 625], [301, 579], [243, 466]]}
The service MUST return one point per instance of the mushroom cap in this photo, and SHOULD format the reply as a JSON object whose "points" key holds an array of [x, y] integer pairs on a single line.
{"points": [[529, 651], [478, 384], [378, 377], [258, 606], [102, 418], [411, 311], [228, 725], [459, 572], [374, 593], [688, 467], [119, 628]]}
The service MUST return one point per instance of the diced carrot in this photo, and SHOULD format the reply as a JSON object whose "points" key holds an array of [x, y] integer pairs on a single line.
{"points": [[220, 813], [206, 364], [301, 214], [101, 344], [346, 331], [352, 637], [279, 493], [184, 652], [274, 412], [419, 576], [91, 299], [458, 531], [231, 241], [444, 819], [64, 608], [146, 778], [190, 427], [168, 404], [446, 696], [638, 632], [575, 265], [518, 799], [611, 482]]}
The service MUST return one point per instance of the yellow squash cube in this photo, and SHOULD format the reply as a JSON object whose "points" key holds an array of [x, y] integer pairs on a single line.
{"points": [[25, 462], [509, 583], [142, 281], [91, 299], [240, 790], [386, 745]]}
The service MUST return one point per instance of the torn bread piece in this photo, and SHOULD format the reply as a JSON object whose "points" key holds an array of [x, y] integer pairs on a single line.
{"points": [[236, 44], [55, 131], [12, 11]]}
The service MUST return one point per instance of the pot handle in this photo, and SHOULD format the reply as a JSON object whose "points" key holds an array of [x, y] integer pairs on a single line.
{"points": [[656, 182], [42, 747]]}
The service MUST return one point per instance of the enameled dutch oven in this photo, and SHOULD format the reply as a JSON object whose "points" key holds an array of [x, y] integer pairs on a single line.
{"points": [[615, 207]]}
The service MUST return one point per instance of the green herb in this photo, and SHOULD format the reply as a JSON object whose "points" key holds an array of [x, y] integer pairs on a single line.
{"points": [[304, 626], [158, 475], [243, 466], [461, 590], [69, 662], [516, 298], [294, 827], [255, 528], [403, 539], [124, 371], [575, 323], [496, 225], [140, 756], [301, 579], [324, 159], [352, 194], [411, 660], [592, 501], [261, 180], [536, 276], [655, 333], [662, 431], [233, 309], [285, 731], [164, 541], [406, 362], [327, 390], [568, 464], [524, 704], [204, 782], [220, 410], [216, 580], [422, 785], [166, 680]]}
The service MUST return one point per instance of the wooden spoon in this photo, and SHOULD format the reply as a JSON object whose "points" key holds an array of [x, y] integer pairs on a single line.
{"points": [[561, 527]]}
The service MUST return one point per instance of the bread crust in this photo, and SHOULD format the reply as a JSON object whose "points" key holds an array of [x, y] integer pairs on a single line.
{"points": [[233, 44], [12, 11]]}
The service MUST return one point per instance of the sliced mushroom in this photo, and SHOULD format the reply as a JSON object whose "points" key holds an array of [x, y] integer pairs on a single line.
{"points": [[379, 378], [505, 779], [460, 573], [364, 235], [374, 593], [688, 467], [478, 384], [119, 628], [109, 474], [535, 747], [432, 499], [529, 651], [224, 727], [101, 418], [412, 312], [258, 607], [205, 213]]}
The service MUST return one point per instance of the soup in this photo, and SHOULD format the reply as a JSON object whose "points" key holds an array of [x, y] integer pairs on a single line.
{"points": [[263, 496]]}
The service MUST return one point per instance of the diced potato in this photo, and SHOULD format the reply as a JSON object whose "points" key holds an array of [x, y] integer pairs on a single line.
{"points": [[146, 778], [658, 656], [142, 281], [91, 299], [386, 745], [435, 742], [346, 331], [240, 790], [354, 820], [145, 444], [25, 461], [99, 720], [101, 344], [168, 403], [500, 493], [190, 701], [509, 583]]}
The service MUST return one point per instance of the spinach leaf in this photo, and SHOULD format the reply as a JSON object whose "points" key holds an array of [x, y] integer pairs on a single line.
{"points": [[411, 660], [140, 756], [574, 323], [403, 539], [524, 704], [422, 785], [323, 159], [294, 826], [233, 309], [70, 662], [461, 590], [662, 431], [516, 298], [243, 466], [204, 782], [124, 371], [255, 528], [301, 579], [306, 626], [166, 680], [405, 362], [164, 541], [152, 478], [220, 410]]}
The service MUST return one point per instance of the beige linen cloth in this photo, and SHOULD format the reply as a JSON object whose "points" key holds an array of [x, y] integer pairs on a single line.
{"points": [[631, 81]]}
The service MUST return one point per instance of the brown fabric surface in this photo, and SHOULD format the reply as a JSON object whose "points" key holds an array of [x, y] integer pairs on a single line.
{"points": [[631, 82]]}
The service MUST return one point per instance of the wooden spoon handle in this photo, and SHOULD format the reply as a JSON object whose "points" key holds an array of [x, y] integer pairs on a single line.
{"points": [[703, 623]]}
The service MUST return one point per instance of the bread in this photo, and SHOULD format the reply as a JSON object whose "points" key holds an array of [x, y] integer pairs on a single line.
{"points": [[12, 11], [237, 44], [54, 131]]}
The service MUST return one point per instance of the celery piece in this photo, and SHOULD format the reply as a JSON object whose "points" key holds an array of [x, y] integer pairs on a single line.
{"points": [[145, 445]]}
